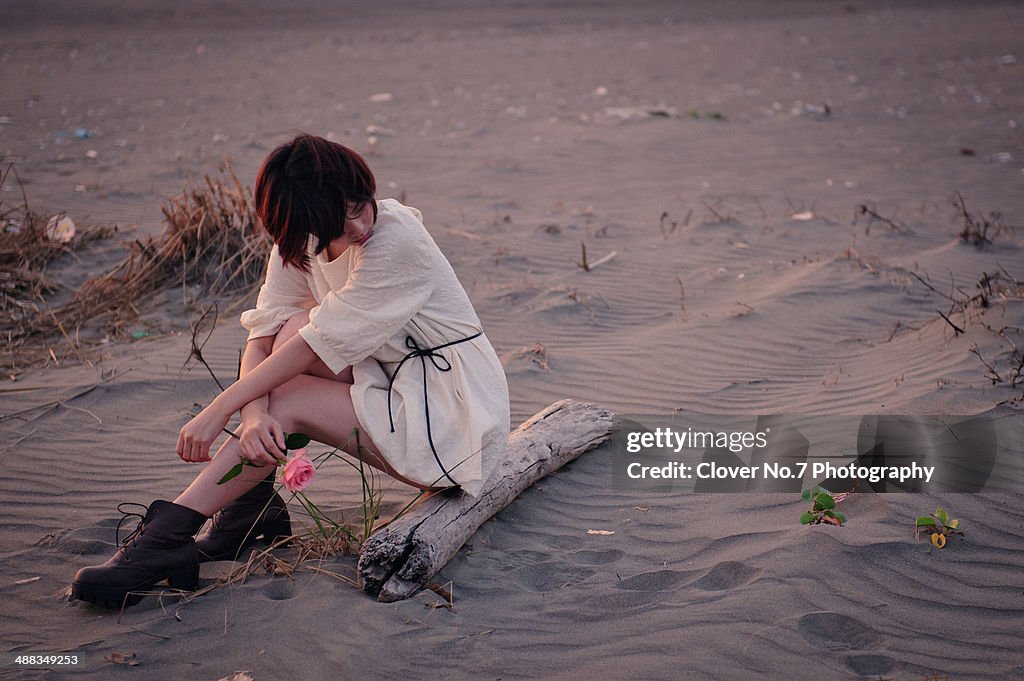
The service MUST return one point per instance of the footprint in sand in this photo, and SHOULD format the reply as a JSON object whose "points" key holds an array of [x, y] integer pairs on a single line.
{"points": [[82, 541], [596, 556], [549, 576], [726, 575], [833, 631], [659, 580], [279, 589], [564, 542], [870, 665], [512, 560]]}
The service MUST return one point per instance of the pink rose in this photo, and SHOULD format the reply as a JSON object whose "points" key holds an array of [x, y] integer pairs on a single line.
{"points": [[298, 471]]}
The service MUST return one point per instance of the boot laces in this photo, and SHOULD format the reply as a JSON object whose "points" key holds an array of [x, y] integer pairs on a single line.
{"points": [[125, 515]]}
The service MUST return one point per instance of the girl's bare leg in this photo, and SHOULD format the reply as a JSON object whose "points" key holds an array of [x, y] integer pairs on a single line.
{"points": [[319, 407], [317, 404], [206, 496]]}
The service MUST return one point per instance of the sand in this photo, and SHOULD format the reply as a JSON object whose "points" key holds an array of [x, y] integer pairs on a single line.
{"points": [[743, 283]]}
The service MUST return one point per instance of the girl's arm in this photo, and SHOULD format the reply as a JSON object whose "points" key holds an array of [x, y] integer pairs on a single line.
{"points": [[291, 359], [256, 350]]}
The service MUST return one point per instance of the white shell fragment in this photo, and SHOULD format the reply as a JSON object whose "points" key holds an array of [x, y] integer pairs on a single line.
{"points": [[61, 229]]}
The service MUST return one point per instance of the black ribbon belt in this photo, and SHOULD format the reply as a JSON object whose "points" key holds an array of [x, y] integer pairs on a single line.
{"points": [[441, 363]]}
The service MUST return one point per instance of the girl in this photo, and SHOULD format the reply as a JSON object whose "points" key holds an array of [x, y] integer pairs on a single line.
{"points": [[360, 324]]}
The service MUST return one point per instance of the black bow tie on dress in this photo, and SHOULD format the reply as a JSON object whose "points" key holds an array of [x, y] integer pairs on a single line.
{"points": [[441, 363]]}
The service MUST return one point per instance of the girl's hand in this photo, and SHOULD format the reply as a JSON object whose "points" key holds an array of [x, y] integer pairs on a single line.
{"points": [[261, 438], [197, 435]]}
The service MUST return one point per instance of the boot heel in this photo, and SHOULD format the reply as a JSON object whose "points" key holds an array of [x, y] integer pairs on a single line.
{"points": [[186, 579]]}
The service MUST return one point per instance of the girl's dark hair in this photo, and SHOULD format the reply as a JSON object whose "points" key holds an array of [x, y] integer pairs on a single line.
{"points": [[307, 187]]}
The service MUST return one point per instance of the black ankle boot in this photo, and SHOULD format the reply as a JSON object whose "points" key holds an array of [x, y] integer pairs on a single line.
{"points": [[161, 547], [259, 512]]}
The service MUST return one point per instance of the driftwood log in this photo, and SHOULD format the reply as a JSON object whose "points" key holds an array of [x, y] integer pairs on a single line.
{"points": [[399, 559]]}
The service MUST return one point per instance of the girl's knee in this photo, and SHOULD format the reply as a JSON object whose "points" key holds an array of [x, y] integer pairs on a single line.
{"points": [[290, 329]]}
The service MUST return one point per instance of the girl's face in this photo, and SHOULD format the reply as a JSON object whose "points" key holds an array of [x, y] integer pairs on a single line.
{"points": [[357, 231]]}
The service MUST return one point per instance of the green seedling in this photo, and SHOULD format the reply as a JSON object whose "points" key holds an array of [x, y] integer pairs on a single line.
{"points": [[939, 525], [822, 508]]}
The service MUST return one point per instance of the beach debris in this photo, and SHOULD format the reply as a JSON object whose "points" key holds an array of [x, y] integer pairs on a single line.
{"points": [[238, 676], [979, 230], [823, 505], [22, 582], [60, 228], [717, 214], [803, 215], [445, 592], [939, 525], [587, 266], [710, 115], [379, 131], [536, 355], [992, 289], [122, 658], [601, 533], [633, 113], [818, 112], [666, 232], [601, 91], [81, 133], [873, 216], [382, 97], [92, 154]]}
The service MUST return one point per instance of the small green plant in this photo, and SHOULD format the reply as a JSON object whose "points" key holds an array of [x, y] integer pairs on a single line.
{"points": [[939, 525], [822, 508]]}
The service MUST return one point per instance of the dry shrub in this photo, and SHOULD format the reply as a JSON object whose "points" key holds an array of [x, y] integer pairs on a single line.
{"points": [[26, 250], [212, 241]]}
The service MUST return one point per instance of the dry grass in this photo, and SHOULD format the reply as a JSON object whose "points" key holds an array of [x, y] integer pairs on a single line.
{"points": [[212, 241], [26, 251]]}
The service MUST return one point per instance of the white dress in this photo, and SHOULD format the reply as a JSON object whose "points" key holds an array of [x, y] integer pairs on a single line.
{"points": [[376, 304]]}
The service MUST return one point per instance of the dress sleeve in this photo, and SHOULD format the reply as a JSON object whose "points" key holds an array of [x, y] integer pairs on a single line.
{"points": [[390, 281], [284, 293]]}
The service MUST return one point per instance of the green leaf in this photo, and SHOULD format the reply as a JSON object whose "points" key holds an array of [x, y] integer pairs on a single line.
{"points": [[826, 500], [953, 524], [925, 521], [806, 495], [837, 515], [295, 440], [807, 518], [235, 470], [941, 514]]}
